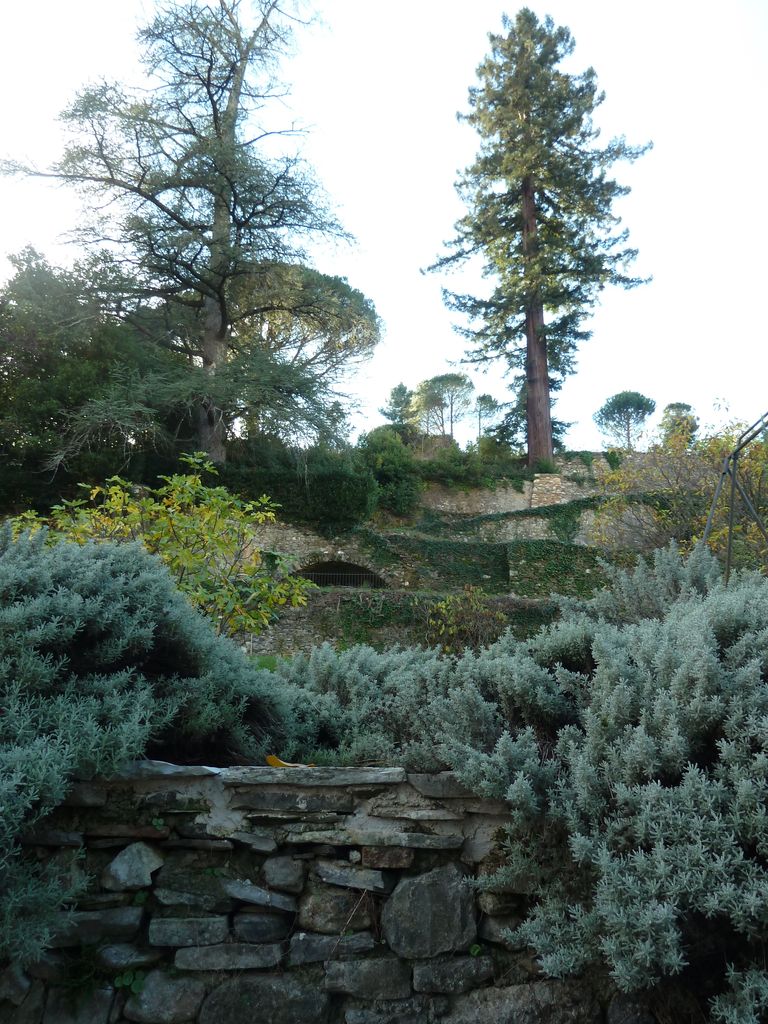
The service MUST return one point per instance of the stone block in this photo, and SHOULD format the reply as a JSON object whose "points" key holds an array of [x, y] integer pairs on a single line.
{"points": [[626, 1010], [307, 948], [416, 1010], [260, 840], [256, 776], [285, 873], [132, 868], [188, 931], [85, 928], [29, 1011], [383, 835], [267, 798], [341, 873], [123, 956], [164, 770], [453, 975], [247, 892], [430, 914], [229, 956], [61, 1008], [369, 979], [494, 929], [556, 1002], [261, 927], [165, 1000], [14, 984], [392, 857], [278, 999], [332, 911]]}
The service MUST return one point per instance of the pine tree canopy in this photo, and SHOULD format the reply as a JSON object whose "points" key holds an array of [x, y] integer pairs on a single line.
{"points": [[539, 212]]}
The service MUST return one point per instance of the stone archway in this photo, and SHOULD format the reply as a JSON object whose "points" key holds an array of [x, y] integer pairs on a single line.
{"points": [[342, 574]]}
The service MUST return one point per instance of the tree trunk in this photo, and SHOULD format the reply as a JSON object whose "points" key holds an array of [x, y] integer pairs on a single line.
{"points": [[538, 416]]}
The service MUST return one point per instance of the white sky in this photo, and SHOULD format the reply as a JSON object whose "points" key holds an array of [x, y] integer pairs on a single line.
{"points": [[380, 85]]}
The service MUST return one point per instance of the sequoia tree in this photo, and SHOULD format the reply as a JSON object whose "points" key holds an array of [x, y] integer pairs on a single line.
{"points": [[539, 213], [200, 212]]}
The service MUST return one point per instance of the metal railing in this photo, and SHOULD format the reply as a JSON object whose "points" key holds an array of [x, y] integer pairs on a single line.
{"points": [[730, 471], [361, 580]]}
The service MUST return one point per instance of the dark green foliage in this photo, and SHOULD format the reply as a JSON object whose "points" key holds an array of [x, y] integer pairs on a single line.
{"points": [[613, 458], [325, 487], [539, 212], [486, 464], [101, 661], [392, 464]]}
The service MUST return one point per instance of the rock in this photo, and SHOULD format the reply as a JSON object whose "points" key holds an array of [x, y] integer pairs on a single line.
{"points": [[301, 833], [255, 776], [555, 1002], [54, 968], [395, 857], [369, 979], [103, 900], [84, 794], [85, 928], [626, 1010], [93, 1008], [493, 929], [14, 984], [416, 1010], [284, 873], [310, 949], [261, 927], [193, 900], [262, 841], [29, 1011], [188, 931], [125, 957], [165, 1000], [337, 872], [247, 892], [332, 911], [293, 800], [185, 881], [500, 904], [163, 770], [132, 868], [430, 914], [452, 976], [229, 956], [279, 999]]}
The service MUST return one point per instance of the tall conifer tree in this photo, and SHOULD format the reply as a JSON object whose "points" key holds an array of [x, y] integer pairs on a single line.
{"points": [[539, 213]]}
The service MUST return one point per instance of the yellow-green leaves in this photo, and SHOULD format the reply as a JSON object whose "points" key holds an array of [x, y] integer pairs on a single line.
{"points": [[204, 535]]}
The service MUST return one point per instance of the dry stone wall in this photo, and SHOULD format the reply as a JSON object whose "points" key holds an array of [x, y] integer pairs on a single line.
{"points": [[294, 896]]}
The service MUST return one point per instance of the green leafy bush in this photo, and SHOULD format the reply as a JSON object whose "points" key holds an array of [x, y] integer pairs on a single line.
{"points": [[330, 491], [393, 465], [464, 621], [101, 661], [203, 534]]}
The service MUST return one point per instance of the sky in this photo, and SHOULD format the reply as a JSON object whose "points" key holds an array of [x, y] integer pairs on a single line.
{"points": [[378, 87]]}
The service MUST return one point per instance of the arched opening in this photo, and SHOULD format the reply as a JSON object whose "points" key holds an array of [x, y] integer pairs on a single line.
{"points": [[342, 574]]}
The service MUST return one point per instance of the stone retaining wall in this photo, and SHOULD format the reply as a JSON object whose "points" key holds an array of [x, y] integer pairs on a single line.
{"points": [[290, 896]]}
